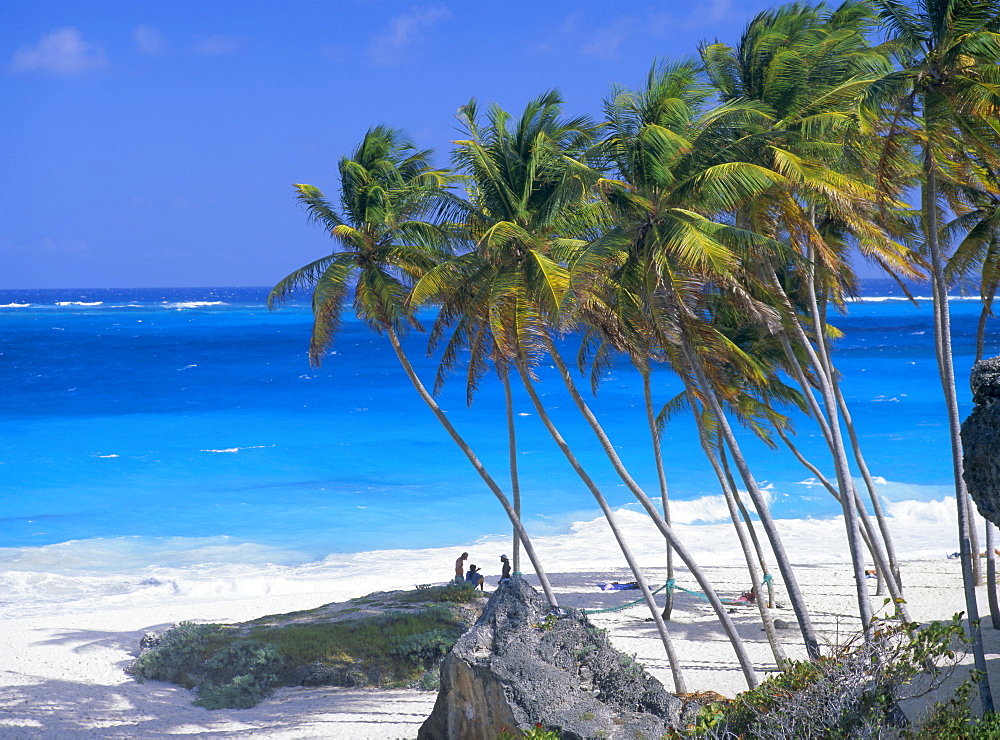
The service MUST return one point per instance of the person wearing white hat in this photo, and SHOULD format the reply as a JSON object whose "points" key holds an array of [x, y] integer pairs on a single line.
{"points": [[505, 574]]}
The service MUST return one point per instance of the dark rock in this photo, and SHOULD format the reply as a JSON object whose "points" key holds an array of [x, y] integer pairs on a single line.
{"points": [[781, 624], [981, 439], [523, 664]]}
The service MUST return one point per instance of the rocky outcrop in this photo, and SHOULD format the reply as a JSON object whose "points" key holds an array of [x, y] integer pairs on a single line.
{"points": [[523, 664], [981, 439]]}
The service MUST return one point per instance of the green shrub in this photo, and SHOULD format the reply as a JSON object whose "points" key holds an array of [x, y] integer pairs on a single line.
{"points": [[852, 693], [952, 720], [371, 639], [425, 648], [240, 675], [458, 593], [180, 654], [234, 666], [242, 692]]}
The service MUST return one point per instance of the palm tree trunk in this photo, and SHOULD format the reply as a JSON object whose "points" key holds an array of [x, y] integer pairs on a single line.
{"points": [[977, 562], [942, 341], [820, 327], [679, 685], [529, 549], [841, 464], [981, 326], [661, 476], [991, 575], [868, 535], [727, 489], [812, 645], [770, 529], [515, 483], [883, 525], [871, 540], [751, 529]]}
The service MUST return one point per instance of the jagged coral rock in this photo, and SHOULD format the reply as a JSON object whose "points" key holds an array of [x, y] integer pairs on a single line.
{"points": [[981, 439], [523, 664]]}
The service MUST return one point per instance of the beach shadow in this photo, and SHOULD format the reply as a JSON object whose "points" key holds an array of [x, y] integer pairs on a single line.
{"points": [[67, 709], [113, 705]]}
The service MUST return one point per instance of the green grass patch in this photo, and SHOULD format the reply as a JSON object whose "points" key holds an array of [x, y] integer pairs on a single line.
{"points": [[371, 639], [237, 665]]}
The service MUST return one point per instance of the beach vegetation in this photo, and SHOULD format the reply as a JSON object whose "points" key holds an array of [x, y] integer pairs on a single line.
{"points": [[854, 692], [538, 732], [236, 666], [454, 592]]}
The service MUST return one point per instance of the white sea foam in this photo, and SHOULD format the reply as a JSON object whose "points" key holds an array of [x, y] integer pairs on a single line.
{"points": [[14, 305], [239, 449], [193, 304], [79, 303], [128, 572], [884, 298]]}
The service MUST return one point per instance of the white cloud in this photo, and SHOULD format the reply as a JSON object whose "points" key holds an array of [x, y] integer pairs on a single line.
{"points": [[715, 10], [62, 52], [148, 40], [705, 15], [402, 32], [604, 43], [216, 46]]}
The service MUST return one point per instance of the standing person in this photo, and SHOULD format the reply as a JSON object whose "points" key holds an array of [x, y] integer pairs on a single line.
{"points": [[505, 572], [475, 577], [460, 566]]}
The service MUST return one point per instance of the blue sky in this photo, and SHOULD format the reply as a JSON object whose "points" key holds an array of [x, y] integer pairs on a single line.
{"points": [[155, 144]]}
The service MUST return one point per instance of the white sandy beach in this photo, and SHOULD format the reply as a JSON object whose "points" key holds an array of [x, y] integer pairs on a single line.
{"points": [[61, 669]]}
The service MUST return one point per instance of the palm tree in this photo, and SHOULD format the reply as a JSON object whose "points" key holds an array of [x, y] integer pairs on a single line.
{"points": [[949, 57], [664, 250], [382, 246], [529, 183], [977, 256], [805, 66], [641, 354]]}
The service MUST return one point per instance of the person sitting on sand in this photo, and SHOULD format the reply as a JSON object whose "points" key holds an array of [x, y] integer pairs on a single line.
{"points": [[475, 577], [460, 566], [505, 572]]}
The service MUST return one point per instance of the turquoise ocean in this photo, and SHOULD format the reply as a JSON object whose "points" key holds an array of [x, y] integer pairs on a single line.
{"points": [[175, 427]]}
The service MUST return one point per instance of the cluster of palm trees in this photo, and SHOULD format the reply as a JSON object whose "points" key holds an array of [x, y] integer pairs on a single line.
{"points": [[705, 223]]}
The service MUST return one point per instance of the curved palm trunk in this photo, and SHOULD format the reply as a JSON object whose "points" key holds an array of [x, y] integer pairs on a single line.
{"points": [[942, 341], [883, 525], [770, 529], [751, 529], [679, 685], [866, 531], [529, 549], [991, 575], [661, 477], [819, 329], [748, 555], [841, 464], [984, 315], [977, 563], [515, 483], [655, 515], [868, 535]]}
